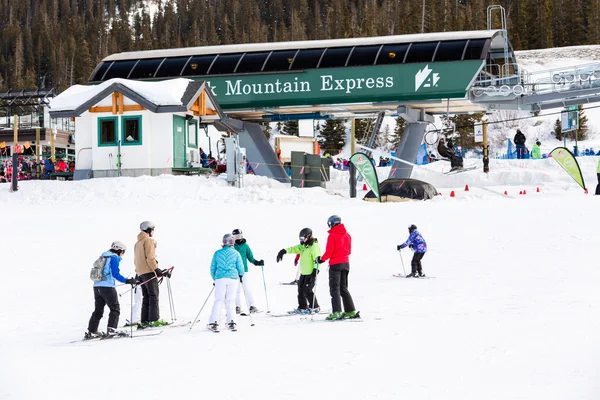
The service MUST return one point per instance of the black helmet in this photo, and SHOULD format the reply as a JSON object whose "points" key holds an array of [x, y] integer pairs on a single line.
{"points": [[333, 221], [305, 234], [237, 234], [412, 228]]}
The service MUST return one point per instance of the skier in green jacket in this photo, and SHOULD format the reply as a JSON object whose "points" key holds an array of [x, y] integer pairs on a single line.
{"points": [[309, 250], [536, 152], [242, 247]]}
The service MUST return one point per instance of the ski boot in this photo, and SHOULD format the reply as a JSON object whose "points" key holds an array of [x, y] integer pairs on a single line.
{"points": [[92, 335], [232, 326], [113, 332], [238, 310], [253, 310], [411, 275], [315, 310], [294, 282], [421, 275], [335, 316], [351, 315], [213, 327], [299, 311], [157, 323]]}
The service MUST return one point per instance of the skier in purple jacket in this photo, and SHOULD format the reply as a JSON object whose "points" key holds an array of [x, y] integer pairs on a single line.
{"points": [[416, 242]]}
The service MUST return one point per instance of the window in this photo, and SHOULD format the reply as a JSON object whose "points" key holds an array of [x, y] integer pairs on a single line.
{"points": [[392, 54], [363, 55], [450, 51], [198, 65], [252, 62], [119, 69], [98, 75], [421, 52], [131, 130], [171, 67], [280, 61], [335, 57], [107, 131], [193, 134], [225, 64], [307, 59], [474, 49], [145, 68]]}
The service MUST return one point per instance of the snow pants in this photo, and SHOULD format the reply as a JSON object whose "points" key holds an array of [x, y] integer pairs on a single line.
{"points": [[225, 293], [306, 295], [338, 288], [598, 185], [150, 307], [415, 264], [247, 291], [137, 305], [105, 296]]}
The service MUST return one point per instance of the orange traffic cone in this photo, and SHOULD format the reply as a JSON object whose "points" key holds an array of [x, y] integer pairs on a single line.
{"points": [[505, 193], [538, 190], [452, 193], [364, 186], [524, 191], [521, 192], [466, 188], [586, 191]]}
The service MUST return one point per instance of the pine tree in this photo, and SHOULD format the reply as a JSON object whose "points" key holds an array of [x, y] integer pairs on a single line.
{"points": [[394, 140], [332, 136], [266, 129], [290, 128], [558, 129], [582, 130]]}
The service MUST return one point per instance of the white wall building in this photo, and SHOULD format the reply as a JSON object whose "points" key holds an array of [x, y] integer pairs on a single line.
{"points": [[135, 128]]}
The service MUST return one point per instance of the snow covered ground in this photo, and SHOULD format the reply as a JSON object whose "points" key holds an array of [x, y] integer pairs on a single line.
{"points": [[510, 314]]}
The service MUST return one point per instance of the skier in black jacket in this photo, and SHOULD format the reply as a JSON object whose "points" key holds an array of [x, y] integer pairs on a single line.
{"points": [[447, 151], [520, 143]]}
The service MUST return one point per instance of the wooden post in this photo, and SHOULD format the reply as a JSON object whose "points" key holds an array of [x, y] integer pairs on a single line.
{"points": [[486, 158], [16, 138]]}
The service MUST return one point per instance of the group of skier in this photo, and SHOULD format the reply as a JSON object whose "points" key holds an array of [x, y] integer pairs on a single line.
{"points": [[227, 268]]}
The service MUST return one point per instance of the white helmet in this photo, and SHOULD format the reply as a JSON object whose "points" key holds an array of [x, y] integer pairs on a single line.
{"points": [[228, 240], [118, 246], [146, 226]]}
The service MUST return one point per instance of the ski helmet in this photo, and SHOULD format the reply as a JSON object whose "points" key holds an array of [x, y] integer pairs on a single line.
{"points": [[147, 226], [237, 234], [118, 246], [228, 239], [333, 221], [305, 234], [412, 228]]}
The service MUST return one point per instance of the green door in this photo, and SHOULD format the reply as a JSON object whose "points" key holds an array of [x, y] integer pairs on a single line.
{"points": [[179, 154]]}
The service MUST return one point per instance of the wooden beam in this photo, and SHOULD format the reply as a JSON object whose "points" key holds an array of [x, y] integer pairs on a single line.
{"points": [[114, 103], [105, 109], [202, 102], [121, 101]]}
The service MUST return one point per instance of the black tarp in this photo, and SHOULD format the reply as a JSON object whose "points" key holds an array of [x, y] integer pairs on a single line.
{"points": [[402, 190]]}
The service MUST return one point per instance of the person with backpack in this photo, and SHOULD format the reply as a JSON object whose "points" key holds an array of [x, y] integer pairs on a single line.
{"points": [[104, 273], [337, 251], [416, 243], [309, 250], [146, 267], [241, 246], [226, 268]]}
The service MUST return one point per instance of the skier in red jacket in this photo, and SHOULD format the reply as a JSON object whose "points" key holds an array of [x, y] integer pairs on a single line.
{"points": [[337, 252]]}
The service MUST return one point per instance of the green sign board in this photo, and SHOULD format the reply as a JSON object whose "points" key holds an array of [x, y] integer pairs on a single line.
{"points": [[403, 82]]}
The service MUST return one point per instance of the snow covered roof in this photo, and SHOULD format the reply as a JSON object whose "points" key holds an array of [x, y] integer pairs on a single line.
{"points": [[174, 95]]}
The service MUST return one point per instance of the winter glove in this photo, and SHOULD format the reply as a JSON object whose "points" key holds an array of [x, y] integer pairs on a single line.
{"points": [[166, 272], [401, 246], [130, 281], [281, 254], [241, 278], [158, 272], [411, 247], [295, 263], [259, 263], [318, 260]]}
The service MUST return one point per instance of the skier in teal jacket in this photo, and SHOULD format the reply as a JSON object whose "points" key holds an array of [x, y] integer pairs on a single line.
{"points": [[246, 253]]}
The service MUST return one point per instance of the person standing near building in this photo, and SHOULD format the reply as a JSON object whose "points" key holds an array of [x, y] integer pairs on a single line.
{"points": [[105, 293], [337, 251], [147, 269], [226, 268], [241, 246]]}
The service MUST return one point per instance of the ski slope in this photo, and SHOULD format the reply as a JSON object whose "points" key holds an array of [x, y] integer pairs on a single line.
{"points": [[510, 314]]}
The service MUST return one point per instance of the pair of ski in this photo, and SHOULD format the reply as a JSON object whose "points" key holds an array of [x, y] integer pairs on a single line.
{"points": [[415, 277], [172, 324], [244, 314], [121, 335], [460, 169]]}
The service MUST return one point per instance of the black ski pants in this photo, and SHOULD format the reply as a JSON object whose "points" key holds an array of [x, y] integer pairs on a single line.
{"points": [[105, 296], [150, 310], [306, 296], [598, 185], [338, 288], [415, 264]]}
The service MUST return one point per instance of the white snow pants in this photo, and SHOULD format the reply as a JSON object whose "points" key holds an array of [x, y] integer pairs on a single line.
{"points": [[225, 291], [246, 283], [298, 272], [137, 306]]}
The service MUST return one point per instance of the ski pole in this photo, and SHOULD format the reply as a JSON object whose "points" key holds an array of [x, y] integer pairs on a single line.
{"points": [[312, 317], [202, 308], [143, 283], [265, 284], [131, 316], [402, 260], [247, 304], [170, 298]]}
